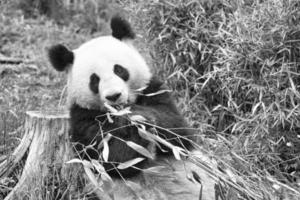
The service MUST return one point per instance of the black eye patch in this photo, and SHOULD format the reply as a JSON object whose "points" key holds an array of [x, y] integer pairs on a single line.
{"points": [[94, 83], [121, 72]]}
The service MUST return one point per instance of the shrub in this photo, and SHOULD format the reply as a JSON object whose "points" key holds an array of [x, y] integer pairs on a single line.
{"points": [[236, 66]]}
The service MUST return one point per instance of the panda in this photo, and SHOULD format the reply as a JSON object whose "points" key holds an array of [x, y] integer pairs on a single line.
{"points": [[108, 70]]}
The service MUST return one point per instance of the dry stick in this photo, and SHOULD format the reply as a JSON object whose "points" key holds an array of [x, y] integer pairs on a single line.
{"points": [[13, 61]]}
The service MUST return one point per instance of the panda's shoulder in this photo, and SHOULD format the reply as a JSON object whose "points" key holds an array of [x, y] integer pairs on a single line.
{"points": [[154, 85], [156, 92]]}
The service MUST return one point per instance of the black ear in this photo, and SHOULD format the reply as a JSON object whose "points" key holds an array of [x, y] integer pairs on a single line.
{"points": [[60, 57], [121, 28]]}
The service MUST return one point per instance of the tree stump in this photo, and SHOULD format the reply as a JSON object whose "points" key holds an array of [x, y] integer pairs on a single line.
{"points": [[47, 142]]}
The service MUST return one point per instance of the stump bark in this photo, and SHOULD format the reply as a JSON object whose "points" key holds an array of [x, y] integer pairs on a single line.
{"points": [[46, 144]]}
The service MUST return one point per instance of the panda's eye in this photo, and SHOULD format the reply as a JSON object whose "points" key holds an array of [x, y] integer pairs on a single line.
{"points": [[94, 83], [121, 72]]}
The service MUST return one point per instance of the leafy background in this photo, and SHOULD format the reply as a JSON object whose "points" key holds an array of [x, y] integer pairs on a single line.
{"points": [[234, 67]]}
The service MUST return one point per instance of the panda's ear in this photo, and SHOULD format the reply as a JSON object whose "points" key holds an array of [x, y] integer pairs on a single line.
{"points": [[121, 28], [60, 57]]}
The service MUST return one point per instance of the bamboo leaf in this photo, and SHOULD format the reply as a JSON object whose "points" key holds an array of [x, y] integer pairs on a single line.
{"points": [[154, 170], [130, 163], [92, 177], [157, 93], [75, 160], [177, 151], [140, 149], [105, 152], [137, 118]]}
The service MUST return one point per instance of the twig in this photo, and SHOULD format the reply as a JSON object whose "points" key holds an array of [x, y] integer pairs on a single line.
{"points": [[14, 61]]}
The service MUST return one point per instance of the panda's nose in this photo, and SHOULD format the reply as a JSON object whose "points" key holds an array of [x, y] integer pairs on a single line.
{"points": [[113, 97]]}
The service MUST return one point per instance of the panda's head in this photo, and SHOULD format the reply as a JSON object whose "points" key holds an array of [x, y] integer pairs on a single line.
{"points": [[105, 69]]}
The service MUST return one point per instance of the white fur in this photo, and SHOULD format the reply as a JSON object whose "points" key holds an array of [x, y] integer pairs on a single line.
{"points": [[99, 56]]}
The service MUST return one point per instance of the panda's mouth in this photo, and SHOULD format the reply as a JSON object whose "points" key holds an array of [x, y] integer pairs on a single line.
{"points": [[117, 109], [115, 99], [118, 106]]}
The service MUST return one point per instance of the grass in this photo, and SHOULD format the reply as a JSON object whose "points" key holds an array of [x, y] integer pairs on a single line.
{"points": [[234, 67]]}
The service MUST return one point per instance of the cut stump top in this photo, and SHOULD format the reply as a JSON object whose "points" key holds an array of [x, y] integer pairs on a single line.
{"points": [[49, 114]]}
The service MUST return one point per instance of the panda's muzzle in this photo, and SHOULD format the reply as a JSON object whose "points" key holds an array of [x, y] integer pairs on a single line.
{"points": [[114, 91], [113, 97]]}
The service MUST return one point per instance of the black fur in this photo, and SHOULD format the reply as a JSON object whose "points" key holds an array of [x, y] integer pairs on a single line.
{"points": [[85, 129], [160, 109], [94, 83], [121, 72], [60, 57], [121, 28]]}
